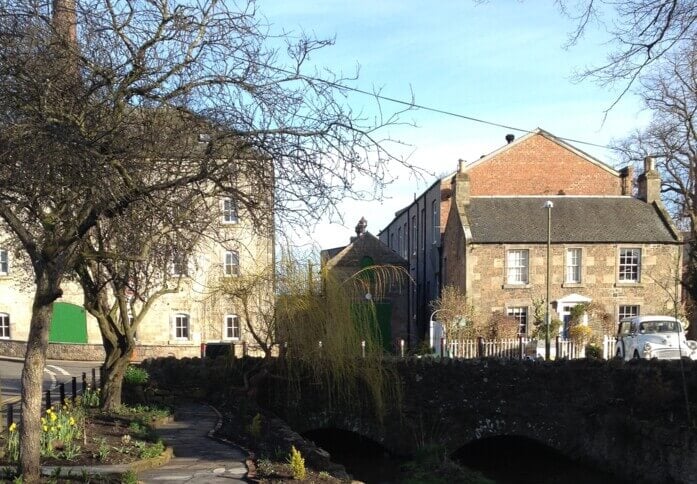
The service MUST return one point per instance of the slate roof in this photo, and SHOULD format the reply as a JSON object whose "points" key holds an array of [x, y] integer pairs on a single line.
{"points": [[366, 245], [574, 220]]}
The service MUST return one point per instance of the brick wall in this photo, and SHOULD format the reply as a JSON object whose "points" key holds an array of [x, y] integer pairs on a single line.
{"points": [[539, 166]]}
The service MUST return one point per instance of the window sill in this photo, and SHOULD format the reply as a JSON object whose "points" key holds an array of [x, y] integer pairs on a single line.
{"points": [[517, 286], [629, 284], [573, 284], [179, 341]]}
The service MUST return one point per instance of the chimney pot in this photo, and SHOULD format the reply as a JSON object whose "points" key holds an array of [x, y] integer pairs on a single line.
{"points": [[649, 164], [510, 138], [461, 165]]}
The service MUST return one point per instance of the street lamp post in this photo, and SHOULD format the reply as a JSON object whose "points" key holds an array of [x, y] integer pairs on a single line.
{"points": [[548, 205]]}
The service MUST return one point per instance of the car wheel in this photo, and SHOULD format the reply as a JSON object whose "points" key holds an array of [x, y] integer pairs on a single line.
{"points": [[636, 355]]}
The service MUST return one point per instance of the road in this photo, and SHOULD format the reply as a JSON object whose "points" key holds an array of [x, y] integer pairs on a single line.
{"points": [[55, 372]]}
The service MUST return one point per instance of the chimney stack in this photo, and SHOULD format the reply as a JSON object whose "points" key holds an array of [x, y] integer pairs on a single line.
{"points": [[626, 180], [65, 20], [649, 182], [461, 186]]}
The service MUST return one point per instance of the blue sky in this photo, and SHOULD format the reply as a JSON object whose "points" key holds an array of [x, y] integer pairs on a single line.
{"points": [[503, 60]]}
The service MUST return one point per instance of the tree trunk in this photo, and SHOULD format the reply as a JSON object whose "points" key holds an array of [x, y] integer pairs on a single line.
{"points": [[32, 376], [118, 355]]}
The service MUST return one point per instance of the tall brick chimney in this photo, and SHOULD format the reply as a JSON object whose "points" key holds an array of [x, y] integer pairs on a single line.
{"points": [[649, 182], [65, 20], [461, 186], [626, 180]]}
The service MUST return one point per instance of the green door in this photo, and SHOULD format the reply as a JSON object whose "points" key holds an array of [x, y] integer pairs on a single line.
{"points": [[384, 316], [69, 324]]}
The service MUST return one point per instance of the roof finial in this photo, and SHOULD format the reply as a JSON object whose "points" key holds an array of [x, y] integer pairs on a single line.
{"points": [[360, 228]]}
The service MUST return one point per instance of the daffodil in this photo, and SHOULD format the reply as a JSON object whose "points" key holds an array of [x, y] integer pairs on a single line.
{"points": [[13, 427], [53, 417], [45, 429]]}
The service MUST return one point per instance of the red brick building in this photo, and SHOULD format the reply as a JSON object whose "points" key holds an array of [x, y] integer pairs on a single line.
{"points": [[607, 246]]}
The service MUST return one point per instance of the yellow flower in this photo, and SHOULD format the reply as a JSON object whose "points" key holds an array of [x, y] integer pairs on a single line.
{"points": [[43, 420], [71, 421], [13, 427], [53, 417], [53, 429], [45, 429]]}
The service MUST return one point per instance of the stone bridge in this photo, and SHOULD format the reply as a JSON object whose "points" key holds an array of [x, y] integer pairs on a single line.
{"points": [[629, 418]]}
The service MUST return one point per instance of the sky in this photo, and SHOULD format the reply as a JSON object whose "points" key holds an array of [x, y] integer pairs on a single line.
{"points": [[504, 61]]}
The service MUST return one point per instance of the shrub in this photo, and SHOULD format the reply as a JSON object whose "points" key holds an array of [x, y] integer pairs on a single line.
{"points": [[297, 464], [254, 428], [593, 351], [580, 334], [135, 376]]}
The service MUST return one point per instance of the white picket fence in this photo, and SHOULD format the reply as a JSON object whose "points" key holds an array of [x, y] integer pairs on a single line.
{"points": [[517, 348]]}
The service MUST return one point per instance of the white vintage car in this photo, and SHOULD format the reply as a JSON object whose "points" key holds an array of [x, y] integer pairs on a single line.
{"points": [[653, 337]]}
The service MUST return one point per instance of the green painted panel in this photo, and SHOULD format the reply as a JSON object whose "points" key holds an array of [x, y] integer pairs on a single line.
{"points": [[384, 316], [69, 324], [378, 317]]}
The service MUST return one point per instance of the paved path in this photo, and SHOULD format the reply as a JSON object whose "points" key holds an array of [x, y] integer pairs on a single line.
{"points": [[198, 459]]}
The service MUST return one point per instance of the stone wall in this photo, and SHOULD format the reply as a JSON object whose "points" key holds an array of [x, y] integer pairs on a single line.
{"points": [[489, 292], [629, 418], [94, 352]]}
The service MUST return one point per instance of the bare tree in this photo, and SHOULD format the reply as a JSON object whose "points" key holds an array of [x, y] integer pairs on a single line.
{"points": [[671, 137], [641, 34], [101, 102], [456, 315], [128, 262]]}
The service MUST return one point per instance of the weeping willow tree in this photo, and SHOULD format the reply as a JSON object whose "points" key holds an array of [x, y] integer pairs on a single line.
{"points": [[330, 333]]}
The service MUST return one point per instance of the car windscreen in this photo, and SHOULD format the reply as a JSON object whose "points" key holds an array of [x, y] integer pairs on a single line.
{"points": [[659, 327]]}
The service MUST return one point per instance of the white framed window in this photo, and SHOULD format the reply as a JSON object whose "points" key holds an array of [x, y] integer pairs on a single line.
{"points": [[4, 326], [232, 263], [232, 327], [630, 264], [182, 326], [627, 311], [4, 263], [520, 314], [435, 222], [180, 264], [573, 265], [517, 266], [229, 211]]}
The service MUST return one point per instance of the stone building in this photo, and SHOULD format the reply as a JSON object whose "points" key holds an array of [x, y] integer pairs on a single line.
{"points": [[177, 324], [366, 250], [607, 246]]}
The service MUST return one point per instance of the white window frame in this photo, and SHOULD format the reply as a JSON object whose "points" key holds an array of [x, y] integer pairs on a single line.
{"points": [[4, 262], [229, 213], [627, 313], [229, 268], [519, 313], [231, 322], [517, 268], [178, 318], [628, 265], [4, 326], [573, 264]]}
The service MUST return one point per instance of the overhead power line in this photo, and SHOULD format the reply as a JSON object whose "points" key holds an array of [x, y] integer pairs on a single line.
{"points": [[414, 105]]}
